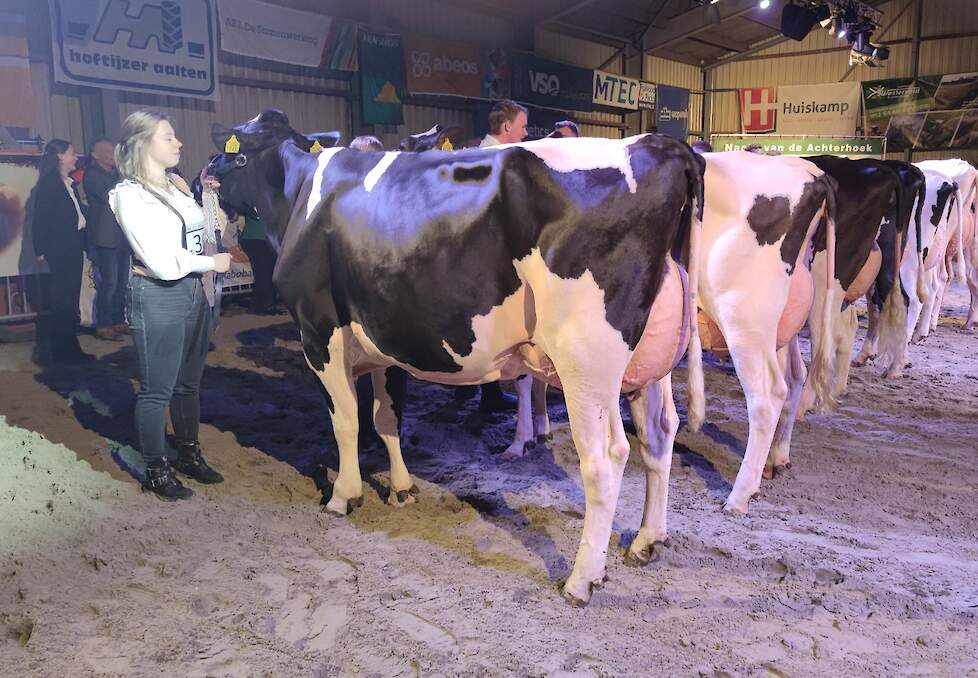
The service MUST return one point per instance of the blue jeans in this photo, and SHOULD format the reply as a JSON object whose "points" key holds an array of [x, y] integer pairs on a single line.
{"points": [[110, 292], [171, 326]]}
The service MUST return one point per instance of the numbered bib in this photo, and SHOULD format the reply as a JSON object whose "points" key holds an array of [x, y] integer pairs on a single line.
{"points": [[195, 240]]}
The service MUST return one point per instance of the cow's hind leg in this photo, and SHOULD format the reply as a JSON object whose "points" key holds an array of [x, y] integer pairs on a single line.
{"points": [[846, 325], [869, 349], [541, 418], [388, 403], [656, 422], [336, 375], [972, 275], [795, 374]]}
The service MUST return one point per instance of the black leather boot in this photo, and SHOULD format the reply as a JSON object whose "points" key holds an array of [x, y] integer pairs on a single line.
{"points": [[161, 482], [191, 463]]}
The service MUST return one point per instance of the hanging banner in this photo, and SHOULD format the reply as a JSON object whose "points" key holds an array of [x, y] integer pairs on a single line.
{"points": [[272, 32], [831, 109], [164, 47], [615, 90], [646, 96], [672, 111], [340, 50], [437, 66], [850, 147], [382, 87], [551, 84], [758, 110], [15, 73], [926, 113]]}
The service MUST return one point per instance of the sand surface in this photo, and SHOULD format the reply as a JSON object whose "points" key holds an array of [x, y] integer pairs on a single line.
{"points": [[861, 561]]}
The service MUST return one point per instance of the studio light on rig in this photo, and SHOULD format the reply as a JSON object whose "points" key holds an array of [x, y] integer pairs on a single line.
{"points": [[851, 20], [764, 4]]}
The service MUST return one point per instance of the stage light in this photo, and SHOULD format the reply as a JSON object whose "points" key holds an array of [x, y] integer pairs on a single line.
{"points": [[764, 4]]}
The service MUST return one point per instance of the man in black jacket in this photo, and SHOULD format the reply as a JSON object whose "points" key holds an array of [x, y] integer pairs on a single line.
{"points": [[106, 240]]}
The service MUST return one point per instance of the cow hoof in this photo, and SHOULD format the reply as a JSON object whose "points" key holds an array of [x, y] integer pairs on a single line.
{"points": [[735, 508], [343, 507], [574, 600], [645, 555], [544, 438], [514, 451], [403, 498], [772, 472]]}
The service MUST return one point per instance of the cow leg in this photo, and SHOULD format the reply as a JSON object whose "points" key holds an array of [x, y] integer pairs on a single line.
{"points": [[971, 272], [388, 403], [789, 358], [922, 326], [336, 377], [656, 422], [846, 324], [870, 344], [524, 420], [943, 282], [541, 418], [764, 389]]}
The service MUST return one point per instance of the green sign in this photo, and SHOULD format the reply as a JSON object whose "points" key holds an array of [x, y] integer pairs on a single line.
{"points": [[853, 147], [382, 79]]}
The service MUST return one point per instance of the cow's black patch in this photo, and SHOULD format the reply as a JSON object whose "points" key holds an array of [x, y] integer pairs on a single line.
{"points": [[912, 188], [769, 218], [476, 173], [943, 201], [866, 192]]}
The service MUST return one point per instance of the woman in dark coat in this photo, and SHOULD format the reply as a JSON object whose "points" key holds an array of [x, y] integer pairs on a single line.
{"points": [[58, 227]]}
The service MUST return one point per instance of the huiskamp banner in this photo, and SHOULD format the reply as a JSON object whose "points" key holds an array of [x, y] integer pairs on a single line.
{"points": [[158, 46], [831, 109], [272, 32]]}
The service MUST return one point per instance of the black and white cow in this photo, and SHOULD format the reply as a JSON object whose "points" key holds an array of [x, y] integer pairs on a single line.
{"points": [[467, 267], [866, 194], [888, 300]]}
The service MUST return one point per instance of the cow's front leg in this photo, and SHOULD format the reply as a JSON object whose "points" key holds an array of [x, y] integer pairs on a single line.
{"points": [[524, 421], [388, 405], [336, 375], [656, 423], [541, 418], [791, 361], [869, 348]]}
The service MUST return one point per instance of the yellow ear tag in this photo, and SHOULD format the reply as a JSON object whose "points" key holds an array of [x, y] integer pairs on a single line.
{"points": [[232, 145], [316, 147], [446, 145]]}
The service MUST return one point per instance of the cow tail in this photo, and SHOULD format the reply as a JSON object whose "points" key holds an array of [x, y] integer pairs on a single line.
{"points": [[823, 362], [893, 315], [692, 218], [959, 255], [921, 280]]}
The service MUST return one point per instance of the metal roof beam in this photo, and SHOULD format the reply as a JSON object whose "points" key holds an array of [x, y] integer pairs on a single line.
{"points": [[695, 21]]}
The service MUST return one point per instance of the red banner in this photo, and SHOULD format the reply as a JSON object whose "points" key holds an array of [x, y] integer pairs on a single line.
{"points": [[437, 66], [758, 108]]}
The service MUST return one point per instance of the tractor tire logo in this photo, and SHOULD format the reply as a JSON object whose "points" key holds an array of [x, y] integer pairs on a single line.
{"points": [[162, 22]]}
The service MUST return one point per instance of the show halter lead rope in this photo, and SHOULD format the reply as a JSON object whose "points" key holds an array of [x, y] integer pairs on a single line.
{"points": [[213, 282]]}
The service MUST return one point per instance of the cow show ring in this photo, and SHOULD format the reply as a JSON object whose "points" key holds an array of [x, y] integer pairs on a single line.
{"points": [[745, 438]]}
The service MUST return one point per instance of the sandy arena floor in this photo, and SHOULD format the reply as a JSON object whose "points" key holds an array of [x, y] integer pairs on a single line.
{"points": [[861, 561]]}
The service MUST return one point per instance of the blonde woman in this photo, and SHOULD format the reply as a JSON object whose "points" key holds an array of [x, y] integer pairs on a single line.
{"points": [[169, 313]]}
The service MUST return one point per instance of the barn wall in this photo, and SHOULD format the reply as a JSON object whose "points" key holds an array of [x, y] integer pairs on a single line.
{"points": [[822, 58]]}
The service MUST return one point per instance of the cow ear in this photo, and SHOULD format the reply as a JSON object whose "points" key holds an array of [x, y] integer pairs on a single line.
{"points": [[324, 139], [221, 134], [449, 138], [407, 144]]}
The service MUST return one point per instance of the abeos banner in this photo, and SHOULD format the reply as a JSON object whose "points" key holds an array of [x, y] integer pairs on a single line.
{"points": [[436, 66], [615, 90], [818, 109], [157, 46], [270, 32], [551, 84], [672, 111]]}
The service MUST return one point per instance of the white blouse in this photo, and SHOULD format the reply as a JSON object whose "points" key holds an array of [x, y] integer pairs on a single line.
{"points": [[154, 231]]}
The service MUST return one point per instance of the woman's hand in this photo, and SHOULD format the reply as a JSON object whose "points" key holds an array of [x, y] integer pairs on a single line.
{"points": [[208, 182], [222, 262]]}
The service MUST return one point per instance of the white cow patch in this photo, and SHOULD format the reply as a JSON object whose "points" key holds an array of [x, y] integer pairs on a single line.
{"points": [[374, 175], [316, 195]]}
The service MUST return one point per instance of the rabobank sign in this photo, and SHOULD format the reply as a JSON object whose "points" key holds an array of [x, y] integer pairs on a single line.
{"points": [[160, 46]]}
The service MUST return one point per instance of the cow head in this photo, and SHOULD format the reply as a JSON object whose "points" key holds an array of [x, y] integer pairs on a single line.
{"points": [[433, 139], [243, 148]]}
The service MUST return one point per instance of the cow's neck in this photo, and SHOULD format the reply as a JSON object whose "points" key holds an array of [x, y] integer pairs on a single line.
{"points": [[280, 189]]}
